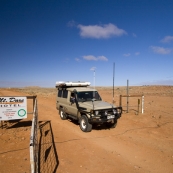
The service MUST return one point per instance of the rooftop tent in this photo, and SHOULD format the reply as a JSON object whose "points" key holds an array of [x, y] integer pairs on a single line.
{"points": [[71, 84]]}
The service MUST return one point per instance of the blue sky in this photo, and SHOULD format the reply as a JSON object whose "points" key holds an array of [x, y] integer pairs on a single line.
{"points": [[42, 42]]}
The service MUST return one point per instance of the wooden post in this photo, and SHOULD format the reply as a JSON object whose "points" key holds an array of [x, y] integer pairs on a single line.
{"points": [[138, 105], [2, 124], [120, 103]]}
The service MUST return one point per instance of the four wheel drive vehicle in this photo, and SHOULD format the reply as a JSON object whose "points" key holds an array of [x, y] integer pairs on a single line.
{"points": [[77, 101]]}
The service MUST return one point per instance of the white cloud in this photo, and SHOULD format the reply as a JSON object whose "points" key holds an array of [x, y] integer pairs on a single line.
{"points": [[93, 68], [126, 54], [160, 50], [134, 35], [97, 31], [167, 39], [90, 58], [137, 53], [102, 58], [77, 59], [93, 58], [71, 23]]}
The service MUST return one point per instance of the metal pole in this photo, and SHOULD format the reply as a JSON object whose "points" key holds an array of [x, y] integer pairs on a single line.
{"points": [[94, 85], [127, 96], [113, 80]]}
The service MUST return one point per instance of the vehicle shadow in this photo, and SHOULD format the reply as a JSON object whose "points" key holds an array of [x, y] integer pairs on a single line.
{"points": [[47, 155], [94, 127], [101, 127]]}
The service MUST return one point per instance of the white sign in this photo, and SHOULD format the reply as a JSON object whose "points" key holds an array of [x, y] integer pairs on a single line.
{"points": [[12, 108]]}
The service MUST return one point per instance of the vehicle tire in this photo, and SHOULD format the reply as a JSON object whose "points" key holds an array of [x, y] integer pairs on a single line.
{"points": [[62, 114], [85, 126], [112, 124]]}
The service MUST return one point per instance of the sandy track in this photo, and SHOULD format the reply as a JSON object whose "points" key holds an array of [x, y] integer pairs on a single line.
{"points": [[139, 143]]}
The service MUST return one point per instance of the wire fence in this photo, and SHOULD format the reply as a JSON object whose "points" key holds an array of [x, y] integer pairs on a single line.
{"points": [[135, 104], [43, 154]]}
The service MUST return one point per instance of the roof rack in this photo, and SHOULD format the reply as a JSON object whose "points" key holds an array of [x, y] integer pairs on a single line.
{"points": [[62, 84]]}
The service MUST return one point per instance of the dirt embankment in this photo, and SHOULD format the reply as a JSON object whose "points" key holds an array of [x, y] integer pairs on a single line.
{"points": [[140, 143]]}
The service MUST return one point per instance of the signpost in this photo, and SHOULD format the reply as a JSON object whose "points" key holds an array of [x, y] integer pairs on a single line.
{"points": [[12, 108]]}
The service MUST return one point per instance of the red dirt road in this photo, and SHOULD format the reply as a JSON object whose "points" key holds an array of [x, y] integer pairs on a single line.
{"points": [[139, 144]]}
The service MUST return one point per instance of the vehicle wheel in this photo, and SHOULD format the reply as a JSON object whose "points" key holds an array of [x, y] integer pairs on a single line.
{"points": [[62, 114], [112, 124], [85, 126]]}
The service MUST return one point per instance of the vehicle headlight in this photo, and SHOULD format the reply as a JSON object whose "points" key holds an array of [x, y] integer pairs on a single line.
{"points": [[96, 112], [114, 111]]}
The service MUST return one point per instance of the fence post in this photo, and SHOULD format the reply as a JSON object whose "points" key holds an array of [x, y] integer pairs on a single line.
{"points": [[120, 103], [138, 105], [2, 124], [33, 140], [127, 96], [142, 104]]}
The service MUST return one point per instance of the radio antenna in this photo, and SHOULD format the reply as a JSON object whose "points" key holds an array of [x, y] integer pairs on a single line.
{"points": [[94, 85], [94, 89], [113, 80]]}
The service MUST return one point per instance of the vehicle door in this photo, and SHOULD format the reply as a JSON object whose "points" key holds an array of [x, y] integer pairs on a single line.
{"points": [[71, 105]]}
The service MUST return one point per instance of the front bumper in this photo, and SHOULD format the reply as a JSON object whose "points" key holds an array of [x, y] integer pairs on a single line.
{"points": [[106, 118]]}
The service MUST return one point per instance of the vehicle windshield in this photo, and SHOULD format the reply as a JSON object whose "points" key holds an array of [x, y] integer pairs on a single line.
{"points": [[88, 96]]}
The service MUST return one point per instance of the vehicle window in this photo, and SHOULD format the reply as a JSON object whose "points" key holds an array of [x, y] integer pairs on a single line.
{"points": [[65, 93], [59, 93], [97, 96], [88, 96], [62, 93]]}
